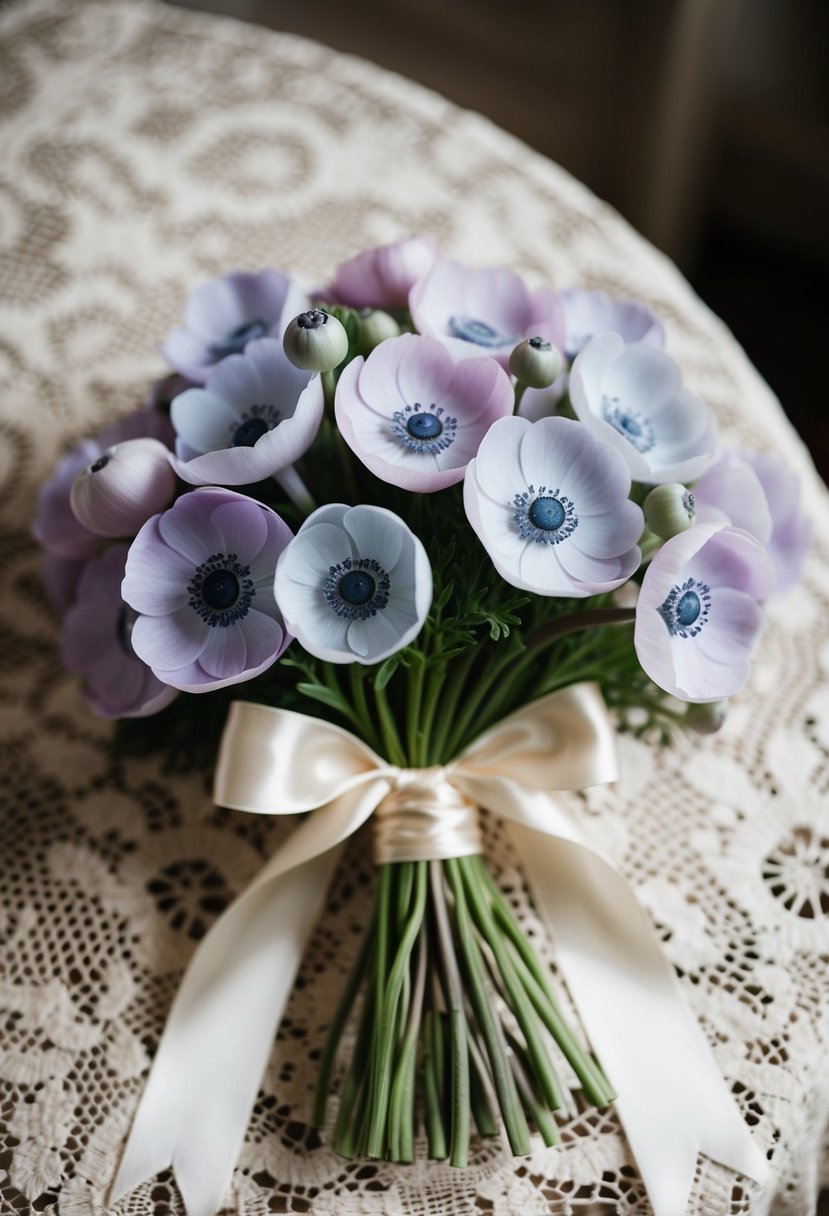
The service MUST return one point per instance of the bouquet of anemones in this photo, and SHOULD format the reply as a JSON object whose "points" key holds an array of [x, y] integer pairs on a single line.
{"points": [[414, 504]]}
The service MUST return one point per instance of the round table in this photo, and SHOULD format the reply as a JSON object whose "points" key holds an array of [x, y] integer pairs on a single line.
{"points": [[145, 150]]}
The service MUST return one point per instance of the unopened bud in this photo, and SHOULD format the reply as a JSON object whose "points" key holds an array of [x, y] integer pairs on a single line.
{"points": [[669, 510], [315, 341], [373, 327], [706, 719], [118, 492], [536, 363]]}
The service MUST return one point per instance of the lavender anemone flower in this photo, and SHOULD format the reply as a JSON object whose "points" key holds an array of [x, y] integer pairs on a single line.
{"points": [[355, 585], [483, 312], [221, 317], [414, 416], [587, 313], [256, 415], [200, 576], [698, 614], [384, 276], [730, 493], [55, 526], [95, 643], [631, 396], [61, 576], [791, 531], [550, 506]]}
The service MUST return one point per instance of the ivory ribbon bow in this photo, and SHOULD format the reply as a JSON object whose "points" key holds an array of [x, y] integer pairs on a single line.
{"points": [[673, 1100]]}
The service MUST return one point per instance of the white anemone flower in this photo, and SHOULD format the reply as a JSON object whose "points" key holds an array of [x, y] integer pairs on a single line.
{"points": [[550, 506], [354, 585], [630, 395]]}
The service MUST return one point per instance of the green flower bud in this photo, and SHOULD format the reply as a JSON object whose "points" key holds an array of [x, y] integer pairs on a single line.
{"points": [[373, 327], [536, 363], [706, 719], [669, 510], [315, 341]]}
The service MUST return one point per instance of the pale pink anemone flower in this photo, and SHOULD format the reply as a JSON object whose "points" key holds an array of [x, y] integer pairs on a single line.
{"points": [[698, 615], [256, 415], [414, 416], [483, 312], [383, 277], [631, 396], [550, 506], [224, 316]]}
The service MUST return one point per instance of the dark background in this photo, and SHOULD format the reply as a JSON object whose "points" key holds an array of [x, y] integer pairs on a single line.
{"points": [[705, 122]]}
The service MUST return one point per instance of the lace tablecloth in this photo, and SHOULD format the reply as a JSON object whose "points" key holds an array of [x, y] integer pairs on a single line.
{"points": [[144, 150]]}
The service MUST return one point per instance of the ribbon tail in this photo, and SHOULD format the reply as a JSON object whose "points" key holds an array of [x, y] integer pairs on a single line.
{"points": [[673, 1100], [215, 1046]]}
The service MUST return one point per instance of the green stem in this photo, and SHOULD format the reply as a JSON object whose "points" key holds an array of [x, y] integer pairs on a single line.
{"points": [[511, 1110], [414, 700], [517, 999], [329, 387], [573, 622], [387, 1019], [534, 979], [478, 1096], [401, 1104], [361, 709], [293, 485], [439, 751], [437, 676], [388, 729], [433, 1079], [338, 1022], [522, 1071], [475, 696], [459, 1050], [346, 1129]]}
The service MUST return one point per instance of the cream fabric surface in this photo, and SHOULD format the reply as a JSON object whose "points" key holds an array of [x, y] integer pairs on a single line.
{"points": [[143, 150]]}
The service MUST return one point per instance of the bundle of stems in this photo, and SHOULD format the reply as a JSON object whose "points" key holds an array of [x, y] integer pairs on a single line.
{"points": [[455, 1027]]}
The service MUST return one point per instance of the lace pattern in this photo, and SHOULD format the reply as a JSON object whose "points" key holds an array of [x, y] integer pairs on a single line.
{"points": [[144, 150]]}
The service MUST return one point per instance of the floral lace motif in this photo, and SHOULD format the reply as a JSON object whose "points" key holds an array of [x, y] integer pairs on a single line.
{"points": [[225, 146]]}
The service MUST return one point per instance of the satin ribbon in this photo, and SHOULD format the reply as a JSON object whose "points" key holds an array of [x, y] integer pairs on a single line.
{"points": [[673, 1100]]}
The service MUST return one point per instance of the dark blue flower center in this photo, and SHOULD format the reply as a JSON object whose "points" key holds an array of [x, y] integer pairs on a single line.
{"points": [[544, 516], [424, 426], [472, 329], [686, 607], [630, 424], [256, 422], [424, 429], [246, 435], [547, 513], [357, 588], [221, 590], [236, 341]]}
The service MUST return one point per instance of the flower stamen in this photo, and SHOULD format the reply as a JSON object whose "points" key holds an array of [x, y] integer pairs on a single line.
{"points": [[544, 516], [221, 590], [686, 607], [357, 588]]}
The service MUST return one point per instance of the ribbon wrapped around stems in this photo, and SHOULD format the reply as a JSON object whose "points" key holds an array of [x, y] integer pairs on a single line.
{"points": [[673, 1100]]}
